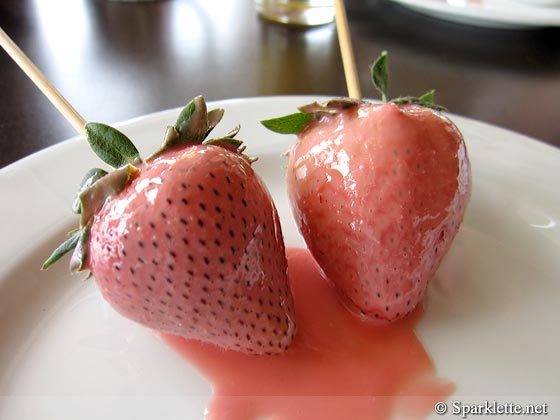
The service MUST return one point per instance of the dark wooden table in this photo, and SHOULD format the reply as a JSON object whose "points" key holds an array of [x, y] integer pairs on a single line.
{"points": [[117, 60]]}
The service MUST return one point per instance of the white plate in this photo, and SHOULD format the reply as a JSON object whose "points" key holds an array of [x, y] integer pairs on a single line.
{"points": [[507, 14], [491, 317]]}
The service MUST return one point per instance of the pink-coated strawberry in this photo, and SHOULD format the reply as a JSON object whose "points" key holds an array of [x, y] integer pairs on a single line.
{"points": [[379, 192], [189, 242]]}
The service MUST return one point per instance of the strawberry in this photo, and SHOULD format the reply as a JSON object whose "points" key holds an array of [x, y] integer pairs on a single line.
{"points": [[378, 192], [188, 242]]}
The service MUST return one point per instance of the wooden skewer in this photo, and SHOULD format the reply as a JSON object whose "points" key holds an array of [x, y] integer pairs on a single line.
{"points": [[78, 122], [42, 83], [348, 60]]}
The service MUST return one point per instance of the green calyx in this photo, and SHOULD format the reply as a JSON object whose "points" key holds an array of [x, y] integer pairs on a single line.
{"points": [[98, 186], [67, 246], [193, 125], [379, 71], [89, 179], [295, 123], [94, 197], [289, 124]]}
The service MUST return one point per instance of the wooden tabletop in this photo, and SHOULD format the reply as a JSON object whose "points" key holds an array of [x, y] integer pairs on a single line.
{"points": [[117, 60]]}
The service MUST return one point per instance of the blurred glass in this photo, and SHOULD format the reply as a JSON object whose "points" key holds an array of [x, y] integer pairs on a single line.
{"points": [[298, 12]]}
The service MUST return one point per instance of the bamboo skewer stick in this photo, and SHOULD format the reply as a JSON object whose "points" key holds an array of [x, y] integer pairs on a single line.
{"points": [[78, 122], [348, 60], [56, 98]]}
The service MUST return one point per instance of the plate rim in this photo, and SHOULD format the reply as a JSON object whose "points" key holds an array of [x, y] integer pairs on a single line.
{"points": [[489, 18], [29, 159], [293, 99]]}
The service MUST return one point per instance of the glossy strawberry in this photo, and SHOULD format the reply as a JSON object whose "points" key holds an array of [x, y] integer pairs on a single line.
{"points": [[378, 192], [189, 242]]}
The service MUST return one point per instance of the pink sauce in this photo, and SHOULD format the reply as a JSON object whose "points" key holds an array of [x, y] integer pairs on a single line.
{"points": [[337, 368]]}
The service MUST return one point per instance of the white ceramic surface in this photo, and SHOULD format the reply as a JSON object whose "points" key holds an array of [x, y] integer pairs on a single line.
{"points": [[506, 14], [542, 3], [491, 315]]}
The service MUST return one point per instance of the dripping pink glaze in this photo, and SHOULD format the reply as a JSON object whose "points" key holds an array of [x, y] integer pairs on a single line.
{"points": [[338, 366]]}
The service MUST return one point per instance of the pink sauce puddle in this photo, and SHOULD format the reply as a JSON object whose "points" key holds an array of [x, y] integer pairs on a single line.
{"points": [[337, 368]]}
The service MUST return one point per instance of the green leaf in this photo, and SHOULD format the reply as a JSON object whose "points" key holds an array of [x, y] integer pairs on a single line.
{"points": [[316, 107], [112, 146], [332, 107], [93, 197], [171, 136], [192, 123], [225, 142], [170, 139], [214, 117], [428, 97], [343, 103], [185, 115], [63, 249], [419, 101], [80, 251], [380, 75], [289, 124], [88, 180], [233, 132]]}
